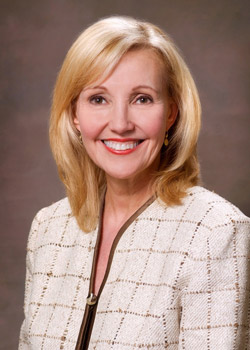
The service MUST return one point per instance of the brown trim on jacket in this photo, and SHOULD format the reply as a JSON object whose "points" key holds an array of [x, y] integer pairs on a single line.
{"points": [[92, 300]]}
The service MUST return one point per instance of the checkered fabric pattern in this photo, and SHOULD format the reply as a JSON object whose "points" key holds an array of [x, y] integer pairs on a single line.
{"points": [[179, 279]]}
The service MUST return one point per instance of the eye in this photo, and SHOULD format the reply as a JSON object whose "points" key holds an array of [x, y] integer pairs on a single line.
{"points": [[97, 99], [144, 99]]}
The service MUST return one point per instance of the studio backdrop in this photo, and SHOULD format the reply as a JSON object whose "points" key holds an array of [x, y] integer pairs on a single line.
{"points": [[35, 36]]}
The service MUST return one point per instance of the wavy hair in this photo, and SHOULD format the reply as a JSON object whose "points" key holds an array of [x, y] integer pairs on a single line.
{"points": [[92, 57]]}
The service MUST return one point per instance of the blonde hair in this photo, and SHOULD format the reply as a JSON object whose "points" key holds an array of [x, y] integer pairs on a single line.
{"points": [[93, 56]]}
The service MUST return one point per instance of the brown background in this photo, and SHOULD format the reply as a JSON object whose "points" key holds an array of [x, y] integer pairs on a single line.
{"points": [[35, 36]]}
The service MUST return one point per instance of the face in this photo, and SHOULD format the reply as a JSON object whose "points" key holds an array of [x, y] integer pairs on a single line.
{"points": [[123, 120]]}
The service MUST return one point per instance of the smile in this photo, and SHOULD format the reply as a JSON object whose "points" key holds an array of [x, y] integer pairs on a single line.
{"points": [[121, 147]]}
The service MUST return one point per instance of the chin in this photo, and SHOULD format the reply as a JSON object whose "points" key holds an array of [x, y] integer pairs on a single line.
{"points": [[121, 176], [126, 174]]}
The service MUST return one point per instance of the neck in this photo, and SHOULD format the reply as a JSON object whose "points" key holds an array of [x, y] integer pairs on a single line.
{"points": [[124, 197]]}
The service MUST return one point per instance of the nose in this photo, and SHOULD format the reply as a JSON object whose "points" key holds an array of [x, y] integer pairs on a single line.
{"points": [[120, 119]]}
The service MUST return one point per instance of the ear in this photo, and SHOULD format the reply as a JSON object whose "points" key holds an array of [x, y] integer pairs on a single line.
{"points": [[172, 114], [76, 123], [76, 120]]}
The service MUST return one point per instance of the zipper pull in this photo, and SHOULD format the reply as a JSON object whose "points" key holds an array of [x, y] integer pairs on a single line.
{"points": [[92, 299]]}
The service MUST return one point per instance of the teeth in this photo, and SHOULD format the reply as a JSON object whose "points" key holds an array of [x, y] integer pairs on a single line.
{"points": [[121, 146]]}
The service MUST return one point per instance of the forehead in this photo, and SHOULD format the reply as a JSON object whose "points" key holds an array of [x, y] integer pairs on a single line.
{"points": [[142, 66]]}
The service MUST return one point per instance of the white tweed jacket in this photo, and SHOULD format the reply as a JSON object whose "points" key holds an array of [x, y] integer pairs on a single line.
{"points": [[177, 278]]}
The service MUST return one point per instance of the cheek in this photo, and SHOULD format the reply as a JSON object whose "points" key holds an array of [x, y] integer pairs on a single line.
{"points": [[155, 125], [90, 125], [88, 130]]}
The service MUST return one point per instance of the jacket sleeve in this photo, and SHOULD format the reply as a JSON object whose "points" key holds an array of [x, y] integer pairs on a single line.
{"points": [[216, 302], [23, 339]]}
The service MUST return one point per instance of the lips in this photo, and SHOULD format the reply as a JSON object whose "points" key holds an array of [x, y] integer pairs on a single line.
{"points": [[123, 146]]}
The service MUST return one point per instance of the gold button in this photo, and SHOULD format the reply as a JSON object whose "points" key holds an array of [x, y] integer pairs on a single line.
{"points": [[92, 299]]}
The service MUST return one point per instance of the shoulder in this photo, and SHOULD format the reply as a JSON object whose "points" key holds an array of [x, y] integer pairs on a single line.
{"points": [[220, 227], [49, 223], [60, 208], [208, 207], [202, 195], [205, 219], [200, 204]]}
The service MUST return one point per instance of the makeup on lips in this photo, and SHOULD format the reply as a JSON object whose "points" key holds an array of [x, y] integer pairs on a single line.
{"points": [[121, 146]]}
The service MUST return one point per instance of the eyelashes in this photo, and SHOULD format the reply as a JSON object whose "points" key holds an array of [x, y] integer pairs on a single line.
{"points": [[97, 99], [141, 99], [144, 99]]}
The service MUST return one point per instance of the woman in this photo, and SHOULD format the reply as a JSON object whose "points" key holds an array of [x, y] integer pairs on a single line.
{"points": [[163, 262]]}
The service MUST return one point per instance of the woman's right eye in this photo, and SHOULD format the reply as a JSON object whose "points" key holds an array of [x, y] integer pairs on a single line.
{"points": [[98, 100]]}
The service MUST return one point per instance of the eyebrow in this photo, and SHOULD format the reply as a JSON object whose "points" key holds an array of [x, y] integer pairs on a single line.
{"points": [[95, 87], [145, 87], [134, 89]]}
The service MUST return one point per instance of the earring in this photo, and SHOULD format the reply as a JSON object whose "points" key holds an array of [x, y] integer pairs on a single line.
{"points": [[166, 139], [80, 137]]}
